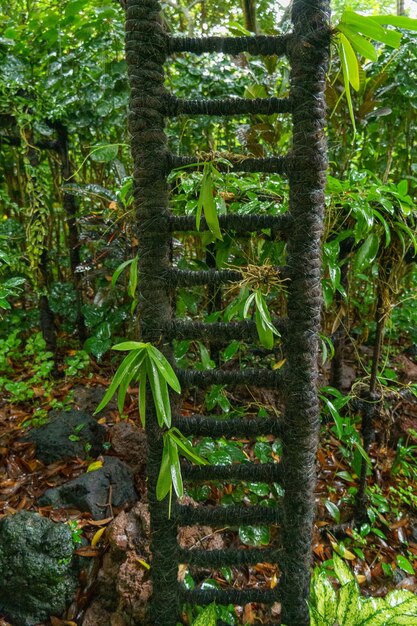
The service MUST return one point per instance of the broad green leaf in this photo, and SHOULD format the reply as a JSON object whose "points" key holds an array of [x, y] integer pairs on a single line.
{"points": [[402, 620], [404, 599], [405, 564], [371, 28], [373, 612], [208, 617], [255, 535], [325, 597], [175, 466], [362, 45], [104, 153], [119, 270], [367, 252], [351, 61], [400, 21], [333, 510], [342, 571], [130, 345], [316, 619], [14, 282], [348, 604], [403, 185], [165, 368], [164, 482]]}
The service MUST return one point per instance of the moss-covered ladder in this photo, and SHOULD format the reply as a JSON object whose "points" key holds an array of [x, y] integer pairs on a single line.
{"points": [[148, 47]]}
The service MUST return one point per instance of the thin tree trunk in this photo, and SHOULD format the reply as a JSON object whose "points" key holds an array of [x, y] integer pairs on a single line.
{"points": [[249, 12], [71, 209]]}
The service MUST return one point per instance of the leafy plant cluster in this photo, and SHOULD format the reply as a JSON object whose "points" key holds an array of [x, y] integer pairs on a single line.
{"points": [[347, 607]]}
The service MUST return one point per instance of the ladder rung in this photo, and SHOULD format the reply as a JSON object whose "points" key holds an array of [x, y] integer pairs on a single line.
{"points": [[229, 556], [261, 44], [267, 379], [240, 224], [233, 515], [191, 278], [226, 106], [230, 596], [268, 165], [249, 472], [203, 426], [244, 330]]}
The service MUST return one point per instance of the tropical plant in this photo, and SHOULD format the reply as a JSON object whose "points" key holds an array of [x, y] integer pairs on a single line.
{"points": [[347, 607], [147, 365]]}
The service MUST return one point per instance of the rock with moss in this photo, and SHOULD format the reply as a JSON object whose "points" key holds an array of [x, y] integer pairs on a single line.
{"points": [[37, 575]]}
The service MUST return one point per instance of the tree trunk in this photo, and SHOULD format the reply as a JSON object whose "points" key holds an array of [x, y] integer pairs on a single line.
{"points": [[71, 209]]}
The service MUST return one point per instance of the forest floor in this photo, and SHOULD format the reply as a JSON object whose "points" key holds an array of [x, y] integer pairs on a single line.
{"points": [[382, 551]]}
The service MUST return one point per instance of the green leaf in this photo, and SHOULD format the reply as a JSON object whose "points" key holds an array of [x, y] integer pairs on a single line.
{"points": [[405, 564], [186, 449], [265, 335], [367, 252], [164, 482], [348, 604], [136, 366], [119, 270], [346, 83], [351, 62], [133, 278], [208, 617], [14, 282], [333, 510], [362, 45], [248, 302], [324, 597], [130, 345], [403, 184], [373, 612], [402, 620], [104, 153], [400, 21], [124, 370], [207, 203], [315, 617], [371, 28], [343, 573], [165, 368], [142, 396], [255, 535], [175, 465], [385, 224], [160, 394], [404, 602], [264, 312]]}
